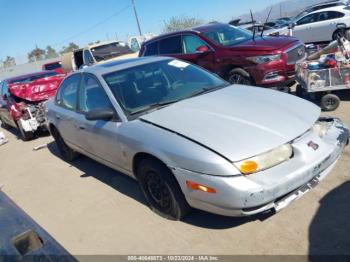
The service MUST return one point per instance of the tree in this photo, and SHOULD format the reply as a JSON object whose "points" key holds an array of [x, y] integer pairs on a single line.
{"points": [[70, 48], [177, 23], [9, 61], [50, 52], [36, 54]]}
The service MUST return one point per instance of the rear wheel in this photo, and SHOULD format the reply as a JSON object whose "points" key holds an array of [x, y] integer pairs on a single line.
{"points": [[240, 76], [330, 102], [66, 152], [161, 190], [26, 136]]}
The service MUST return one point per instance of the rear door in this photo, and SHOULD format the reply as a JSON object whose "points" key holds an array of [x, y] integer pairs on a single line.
{"points": [[326, 25], [66, 106]]}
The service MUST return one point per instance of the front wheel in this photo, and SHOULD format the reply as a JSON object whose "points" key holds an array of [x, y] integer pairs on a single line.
{"points": [[240, 76], [161, 190], [26, 136], [330, 102]]}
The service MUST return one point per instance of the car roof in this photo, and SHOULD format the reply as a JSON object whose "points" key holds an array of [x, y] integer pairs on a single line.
{"points": [[341, 8], [108, 67], [196, 29], [11, 79]]}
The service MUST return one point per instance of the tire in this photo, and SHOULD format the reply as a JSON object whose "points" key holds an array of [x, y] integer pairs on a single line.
{"points": [[330, 102], [161, 190], [26, 136], [240, 76], [299, 91], [66, 152], [3, 124], [335, 35]]}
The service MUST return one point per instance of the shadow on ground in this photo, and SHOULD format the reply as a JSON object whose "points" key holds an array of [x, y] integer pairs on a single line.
{"points": [[129, 187], [329, 232]]}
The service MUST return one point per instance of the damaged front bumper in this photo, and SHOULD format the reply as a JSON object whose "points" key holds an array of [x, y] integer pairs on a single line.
{"points": [[271, 189]]}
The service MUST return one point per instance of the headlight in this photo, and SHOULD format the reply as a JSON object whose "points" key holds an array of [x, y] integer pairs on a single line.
{"points": [[321, 128], [264, 58], [266, 160]]}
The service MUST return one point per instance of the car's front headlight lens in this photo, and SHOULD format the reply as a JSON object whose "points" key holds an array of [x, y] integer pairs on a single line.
{"points": [[266, 160], [264, 58], [321, 128]]}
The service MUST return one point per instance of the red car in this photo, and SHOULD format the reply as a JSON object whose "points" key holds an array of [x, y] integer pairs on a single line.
{"points": [[53, 66], [22, 101], [233, 53]]}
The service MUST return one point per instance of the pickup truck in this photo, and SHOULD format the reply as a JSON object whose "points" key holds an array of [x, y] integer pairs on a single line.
{"points": [[96, 54]]}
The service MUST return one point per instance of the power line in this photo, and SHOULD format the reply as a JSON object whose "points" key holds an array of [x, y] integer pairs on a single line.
{"points": [[93, 26]]}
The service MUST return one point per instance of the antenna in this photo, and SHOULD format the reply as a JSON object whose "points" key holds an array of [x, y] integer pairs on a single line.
{"points": [[251, 15], [267, 19]]}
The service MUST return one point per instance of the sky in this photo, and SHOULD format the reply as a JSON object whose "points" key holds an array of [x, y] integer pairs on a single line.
{"points": [[26, 24]]}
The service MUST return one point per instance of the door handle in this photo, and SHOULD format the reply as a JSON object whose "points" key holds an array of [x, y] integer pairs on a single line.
{"points": [[81, 127], [58, 117]]}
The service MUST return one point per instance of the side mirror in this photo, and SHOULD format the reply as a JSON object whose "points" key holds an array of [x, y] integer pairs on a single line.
{"points": [[105, 114], [202, 49], [291, 25]]}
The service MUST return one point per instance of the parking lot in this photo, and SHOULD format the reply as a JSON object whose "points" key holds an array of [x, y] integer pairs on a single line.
{"points": [[91, 209]]}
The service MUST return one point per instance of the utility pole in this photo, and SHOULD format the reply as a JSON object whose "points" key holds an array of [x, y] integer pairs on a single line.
{"points": [[137, 18]]}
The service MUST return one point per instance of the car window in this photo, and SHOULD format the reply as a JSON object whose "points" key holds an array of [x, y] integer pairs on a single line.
{"points": [[88, 57], [5, 89], [151, 49], [92, 95], [227, 35], [308, 19], [141, 86], [134, 45], [191, 43], [52, 66], [170, 45], [67, 94], [323, 16]]}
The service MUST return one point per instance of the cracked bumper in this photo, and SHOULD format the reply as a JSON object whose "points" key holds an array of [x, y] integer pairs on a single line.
{"points": [[274, 188]]}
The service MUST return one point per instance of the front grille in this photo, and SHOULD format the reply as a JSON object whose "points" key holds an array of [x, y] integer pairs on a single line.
{"points": [[295, 54]]}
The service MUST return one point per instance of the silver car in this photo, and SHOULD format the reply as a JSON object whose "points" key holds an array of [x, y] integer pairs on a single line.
{"points": [[191, 139]]}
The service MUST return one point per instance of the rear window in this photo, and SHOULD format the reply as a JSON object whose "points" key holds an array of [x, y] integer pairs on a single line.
{"points": [[151, 49], [170, 45], [52, 66], [108, 51]]}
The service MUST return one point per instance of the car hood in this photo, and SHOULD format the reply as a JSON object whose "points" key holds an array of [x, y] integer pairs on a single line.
{"points": [[238, 122], [266, 43]]}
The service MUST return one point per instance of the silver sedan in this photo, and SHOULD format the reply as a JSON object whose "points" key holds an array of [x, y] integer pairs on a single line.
{"points": [[191, 139]]}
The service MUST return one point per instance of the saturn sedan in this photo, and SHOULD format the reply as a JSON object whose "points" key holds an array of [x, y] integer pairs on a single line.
{"points": [[190, 139]]}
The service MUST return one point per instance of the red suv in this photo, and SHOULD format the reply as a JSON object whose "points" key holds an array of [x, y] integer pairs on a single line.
{"points": [[233, 53]]}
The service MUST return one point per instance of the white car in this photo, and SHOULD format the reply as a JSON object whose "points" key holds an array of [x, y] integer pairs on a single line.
{"points": [[317, 26]]}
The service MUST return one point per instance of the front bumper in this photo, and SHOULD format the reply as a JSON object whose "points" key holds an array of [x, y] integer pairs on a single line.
{"points": [[274, 188]]}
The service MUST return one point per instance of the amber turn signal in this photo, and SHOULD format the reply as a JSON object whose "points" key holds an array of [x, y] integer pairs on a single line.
{"points": [[248, 167], [196, 186]]}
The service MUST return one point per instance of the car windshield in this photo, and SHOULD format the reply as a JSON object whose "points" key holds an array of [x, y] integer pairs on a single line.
{"points": [[110, 50], [228, 35], [153, 85]]}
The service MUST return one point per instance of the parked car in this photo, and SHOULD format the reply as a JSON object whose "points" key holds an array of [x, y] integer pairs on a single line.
{"points": [[193, 140], [95, 54], [232, 53], [318, 26], [54, 66], [23, 98], [135, 42]]}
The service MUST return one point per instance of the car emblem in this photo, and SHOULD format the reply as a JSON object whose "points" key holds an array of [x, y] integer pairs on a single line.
{"points": [[300, 52], [313, 145]]}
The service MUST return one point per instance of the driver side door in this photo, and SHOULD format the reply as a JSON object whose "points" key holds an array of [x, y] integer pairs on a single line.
{"points": [[303, 28], [99, 138]]}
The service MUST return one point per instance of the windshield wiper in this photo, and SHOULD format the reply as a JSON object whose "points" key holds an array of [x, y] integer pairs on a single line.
{"points": [[208, 90], [154, 106]]}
